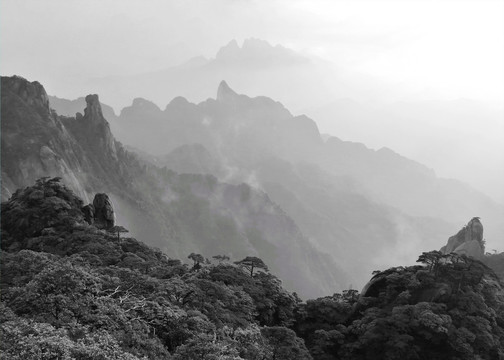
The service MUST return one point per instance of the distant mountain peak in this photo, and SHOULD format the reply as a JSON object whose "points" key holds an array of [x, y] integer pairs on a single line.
{"points": [[256, 44], [224, 92], [178, 101], [229, 50], [258, 53], [146, 104]]}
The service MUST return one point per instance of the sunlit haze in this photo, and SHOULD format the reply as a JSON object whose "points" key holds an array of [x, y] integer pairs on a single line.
{"points": [[451, 49]]}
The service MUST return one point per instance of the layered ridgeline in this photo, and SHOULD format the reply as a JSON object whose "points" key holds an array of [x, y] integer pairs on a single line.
{"points": [[74, 290], [291, 76], [367, 209], [180, 214]]}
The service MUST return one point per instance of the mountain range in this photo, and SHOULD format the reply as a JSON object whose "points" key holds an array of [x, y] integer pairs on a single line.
{"points": [[242, 65], [382, 176], [240, 173], [180, 214], [459, 138]]}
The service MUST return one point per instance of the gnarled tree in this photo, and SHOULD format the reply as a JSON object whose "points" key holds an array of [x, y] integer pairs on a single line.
{"points": [[252, 263], [118, 230]]}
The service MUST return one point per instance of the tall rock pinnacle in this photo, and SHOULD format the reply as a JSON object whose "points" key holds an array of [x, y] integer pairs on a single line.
{"points": [[96, 128], [93, 108]]}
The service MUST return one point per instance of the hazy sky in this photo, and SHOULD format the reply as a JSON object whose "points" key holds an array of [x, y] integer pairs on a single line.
{"points": [[450, 48], [411, 50]]}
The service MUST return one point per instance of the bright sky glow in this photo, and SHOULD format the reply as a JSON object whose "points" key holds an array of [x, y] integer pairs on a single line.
{"points": [[450, 48]]}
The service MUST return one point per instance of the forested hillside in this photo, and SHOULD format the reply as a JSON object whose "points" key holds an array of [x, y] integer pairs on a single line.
{"points": [[71, 290]]}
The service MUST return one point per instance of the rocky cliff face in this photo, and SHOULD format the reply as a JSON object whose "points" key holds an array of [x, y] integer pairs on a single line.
{"points": [[468, 241], [93, 129], [33, 93], [103, 211], [34, 141]]}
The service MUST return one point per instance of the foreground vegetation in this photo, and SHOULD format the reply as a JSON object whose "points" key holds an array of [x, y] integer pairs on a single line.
{"points": [[72, 291]]}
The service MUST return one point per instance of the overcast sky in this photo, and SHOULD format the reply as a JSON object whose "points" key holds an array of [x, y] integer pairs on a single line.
{"points": [[450, 48]]}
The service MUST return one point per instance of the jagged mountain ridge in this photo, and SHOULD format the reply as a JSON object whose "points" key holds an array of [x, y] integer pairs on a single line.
{"points": [[178, 213], [377, 198], [286, 68], [389, 177]]}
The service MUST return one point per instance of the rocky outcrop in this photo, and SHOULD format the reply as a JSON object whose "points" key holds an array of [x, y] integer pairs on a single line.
{"points": [[72, 107], [468, 241], [104, 216], [97, 128], [89, 213], [93, 109], [100, 213], [33, 93]]}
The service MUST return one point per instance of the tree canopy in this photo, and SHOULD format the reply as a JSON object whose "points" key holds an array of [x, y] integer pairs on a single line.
{"points": [[117, 229], [70, 290], [252, 263]]}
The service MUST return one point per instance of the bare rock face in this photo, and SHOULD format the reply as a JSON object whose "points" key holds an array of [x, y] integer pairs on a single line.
{"points": [[468, 241], [93, 109], [104, 216], [89, 213], [96, 127]]}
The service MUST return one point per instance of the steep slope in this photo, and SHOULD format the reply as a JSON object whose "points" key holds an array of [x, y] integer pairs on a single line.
{"points": [[178, 213], [32, 136]]}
